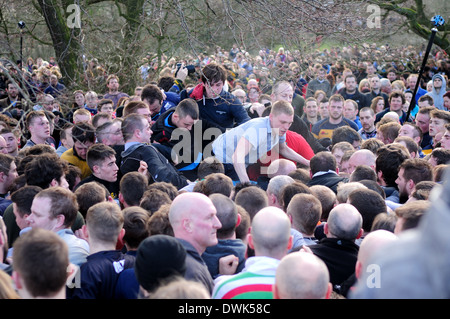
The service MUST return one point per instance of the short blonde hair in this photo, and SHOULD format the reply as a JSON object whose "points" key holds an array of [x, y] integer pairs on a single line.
{"points": [[104, 221], [282, 107]]}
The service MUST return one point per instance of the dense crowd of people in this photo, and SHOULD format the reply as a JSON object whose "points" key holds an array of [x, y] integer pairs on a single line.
{"points": [[230, 175]]}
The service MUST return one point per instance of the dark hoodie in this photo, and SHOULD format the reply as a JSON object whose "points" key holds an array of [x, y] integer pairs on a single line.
{"points": [[158, 166], [438, 98], [223, 112]]}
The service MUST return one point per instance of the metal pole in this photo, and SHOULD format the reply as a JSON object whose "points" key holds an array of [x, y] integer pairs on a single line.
{"points": [[437, 21], [21, 48], [424, 62]]}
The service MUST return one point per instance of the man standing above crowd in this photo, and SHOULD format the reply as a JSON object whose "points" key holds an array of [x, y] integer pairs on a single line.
{"points": [[215, 104], [283, 91], [250, 142]]}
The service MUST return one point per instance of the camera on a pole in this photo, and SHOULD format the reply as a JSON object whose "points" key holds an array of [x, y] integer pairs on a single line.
{"points": [[438, 21]]}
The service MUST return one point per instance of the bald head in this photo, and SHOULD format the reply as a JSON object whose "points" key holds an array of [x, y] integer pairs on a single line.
{"points": [[392, 115], [344, 222], [302, 275], [274, 188], [270, 233], [374, 242], [193, 218], [362, 157], [280, 166]]}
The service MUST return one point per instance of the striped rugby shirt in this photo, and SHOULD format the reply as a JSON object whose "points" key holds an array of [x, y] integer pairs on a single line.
{"points": [[254, 282]]}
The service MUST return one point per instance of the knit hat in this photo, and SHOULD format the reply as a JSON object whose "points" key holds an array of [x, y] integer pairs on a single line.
{"points": [[159, 257]]}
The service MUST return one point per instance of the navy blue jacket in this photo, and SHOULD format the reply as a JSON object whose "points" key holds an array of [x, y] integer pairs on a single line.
{"points": [[223, 112], [158, 166], [99, 275]]}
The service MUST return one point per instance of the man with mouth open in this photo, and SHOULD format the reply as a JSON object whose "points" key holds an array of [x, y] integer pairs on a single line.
{"points": [[250, 142]]}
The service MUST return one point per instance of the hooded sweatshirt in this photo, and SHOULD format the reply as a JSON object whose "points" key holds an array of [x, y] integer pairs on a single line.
{"points": [[438, 98], [224, 111]]}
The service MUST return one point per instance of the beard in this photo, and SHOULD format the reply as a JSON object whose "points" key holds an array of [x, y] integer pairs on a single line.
{"points": [[403, 197]]}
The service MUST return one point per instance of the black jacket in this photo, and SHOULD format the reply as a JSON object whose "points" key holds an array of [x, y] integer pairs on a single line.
{"points": [[158, 166], [339, 255], [190, 150], [113, 187], [330, 180], [196, 268]]}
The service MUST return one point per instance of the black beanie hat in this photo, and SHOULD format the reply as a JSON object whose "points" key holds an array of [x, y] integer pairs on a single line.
{"points": [[159, 257]]}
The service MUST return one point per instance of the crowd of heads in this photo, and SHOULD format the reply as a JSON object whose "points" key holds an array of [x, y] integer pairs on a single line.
{"points": [[378, 156]]}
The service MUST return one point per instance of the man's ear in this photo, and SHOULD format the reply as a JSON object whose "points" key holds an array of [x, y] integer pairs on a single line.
{"points": [[60, 220], [329, 291], [275, 291], [186, 225], [290, 242], [95, 169], [380, 176], [54, 183], [250, 241], [290, 217], [411, 185], [239, 218], [85, 232], [121, 233], [358, 269], [2, 177], [175, 117], [361, 232], [17, 279]]}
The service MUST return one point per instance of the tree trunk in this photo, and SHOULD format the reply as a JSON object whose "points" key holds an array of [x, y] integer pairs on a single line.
{"points": [[64, 38]]}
